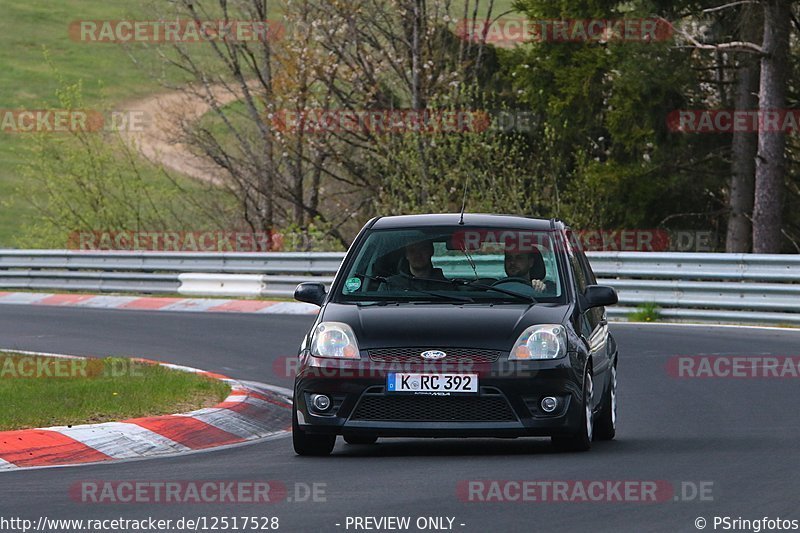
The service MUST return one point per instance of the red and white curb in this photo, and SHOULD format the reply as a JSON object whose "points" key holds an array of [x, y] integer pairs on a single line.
{"points": [[138, 303], [246, 415]]}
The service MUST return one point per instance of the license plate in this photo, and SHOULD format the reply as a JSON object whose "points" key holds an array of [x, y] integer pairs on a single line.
{"points": [[458, 383]]}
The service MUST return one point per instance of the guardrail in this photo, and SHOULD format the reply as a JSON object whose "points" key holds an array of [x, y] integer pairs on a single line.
{"points": [[697, 287], [252, 274], [738, 288]]}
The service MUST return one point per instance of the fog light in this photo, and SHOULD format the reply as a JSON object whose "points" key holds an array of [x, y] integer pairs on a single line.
{"points": [[320, 402], [549, 404]]}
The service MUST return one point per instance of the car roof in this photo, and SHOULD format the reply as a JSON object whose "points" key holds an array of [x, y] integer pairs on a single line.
{"points": [[470, 220]]}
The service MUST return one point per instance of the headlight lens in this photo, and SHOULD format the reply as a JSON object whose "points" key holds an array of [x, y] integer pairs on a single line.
{"points": [[548, 341], [334, 340]]}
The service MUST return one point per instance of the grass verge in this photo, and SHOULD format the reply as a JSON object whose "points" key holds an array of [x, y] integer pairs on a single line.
{"points": [[649, 312], [46, 391]]}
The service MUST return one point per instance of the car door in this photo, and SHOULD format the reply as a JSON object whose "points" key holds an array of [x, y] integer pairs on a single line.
{"points": [[594, 321]]}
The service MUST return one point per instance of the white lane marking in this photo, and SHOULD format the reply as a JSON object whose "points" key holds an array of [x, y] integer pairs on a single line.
{"points": [[701, 325], [250, 400], [192, 304], [106, 302], [183, 305], [182, 368], [41, 354], [270, 388], [274, 436], [289, 308], [23, 298], [233, 422], [121, 440], [5, 465]]}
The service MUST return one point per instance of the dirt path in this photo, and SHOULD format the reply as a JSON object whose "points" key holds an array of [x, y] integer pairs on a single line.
{"points": [[160, 142]]}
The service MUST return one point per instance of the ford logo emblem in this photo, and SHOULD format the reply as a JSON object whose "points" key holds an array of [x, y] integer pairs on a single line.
{"points": [[433, 355]]}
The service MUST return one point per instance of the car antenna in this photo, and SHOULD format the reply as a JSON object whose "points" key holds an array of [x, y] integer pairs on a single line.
{"points": [[464, 203]]}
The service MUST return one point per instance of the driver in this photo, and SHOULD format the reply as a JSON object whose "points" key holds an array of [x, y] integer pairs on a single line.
{"points": [[421, 271], [519, 264]]}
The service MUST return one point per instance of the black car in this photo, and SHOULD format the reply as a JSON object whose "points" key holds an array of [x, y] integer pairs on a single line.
{"points": [[458, 326]]}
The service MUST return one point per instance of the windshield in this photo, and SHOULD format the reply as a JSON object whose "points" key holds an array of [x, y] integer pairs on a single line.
{"points": [[461, 264]]}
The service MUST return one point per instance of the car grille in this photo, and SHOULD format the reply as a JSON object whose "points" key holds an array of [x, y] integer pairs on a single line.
{"points": [[488, 408], [454, 355]]}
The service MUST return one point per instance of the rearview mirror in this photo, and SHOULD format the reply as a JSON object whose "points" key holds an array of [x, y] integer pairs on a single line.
{"points": [[311, 293], [599, 296]]}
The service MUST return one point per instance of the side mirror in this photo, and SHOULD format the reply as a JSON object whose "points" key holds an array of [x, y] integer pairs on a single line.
{"points": [[599, 296], [311, 293]]}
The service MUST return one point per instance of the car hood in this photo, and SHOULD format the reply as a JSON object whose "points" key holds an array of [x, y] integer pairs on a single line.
{"points": [[442, 325]]}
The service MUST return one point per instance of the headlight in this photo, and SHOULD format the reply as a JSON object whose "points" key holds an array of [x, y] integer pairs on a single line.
{"points": [[334, 340], [547, 341]]}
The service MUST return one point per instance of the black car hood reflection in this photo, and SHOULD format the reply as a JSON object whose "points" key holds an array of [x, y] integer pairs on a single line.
{"points": [[441, 325]]}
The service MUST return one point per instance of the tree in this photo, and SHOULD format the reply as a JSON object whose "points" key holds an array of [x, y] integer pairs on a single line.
{"points": [[771, 160], [744, 144], [357, 56], [604, 139]]}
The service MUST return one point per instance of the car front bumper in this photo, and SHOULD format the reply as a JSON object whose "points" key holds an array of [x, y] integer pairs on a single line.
{"points": [[507, 404]]}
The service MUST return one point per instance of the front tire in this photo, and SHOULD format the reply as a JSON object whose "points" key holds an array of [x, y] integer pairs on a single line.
{"points": [[606, 424], [582, 440], [308, 444]]}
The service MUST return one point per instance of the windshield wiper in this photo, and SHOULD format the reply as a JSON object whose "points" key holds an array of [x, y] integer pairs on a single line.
{"points": [[381, 279], [452, 297], [528, 299], [471, 261]]}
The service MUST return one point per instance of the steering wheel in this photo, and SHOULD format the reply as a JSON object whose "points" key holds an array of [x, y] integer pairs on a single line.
{"points": [[511, 280], [470, 281]]}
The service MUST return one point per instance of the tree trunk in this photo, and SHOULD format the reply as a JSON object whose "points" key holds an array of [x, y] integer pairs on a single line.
{"points": [[771, 161], [744, 145], [417, 103], [266, 180]]}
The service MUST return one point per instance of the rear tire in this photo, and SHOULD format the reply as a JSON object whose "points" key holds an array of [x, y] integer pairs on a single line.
{"points": [[360, 439], [606, 424], [308, 444], [582, 440]]}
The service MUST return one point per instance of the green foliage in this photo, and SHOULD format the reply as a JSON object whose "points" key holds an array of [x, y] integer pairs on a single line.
{"points": [[28, 83], [94, 181], [96, 391], [429, 172], [649, 312], [316, 236], [605, 137], [495, 167]]}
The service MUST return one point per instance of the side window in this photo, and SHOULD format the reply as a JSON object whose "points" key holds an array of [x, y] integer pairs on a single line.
{"points": [[590, 279], [596, 314], [584, 277], [580, 276], [572, 252]]}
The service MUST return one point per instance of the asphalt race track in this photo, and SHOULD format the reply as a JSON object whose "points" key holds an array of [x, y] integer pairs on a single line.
{"points": [[737, 438]]}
